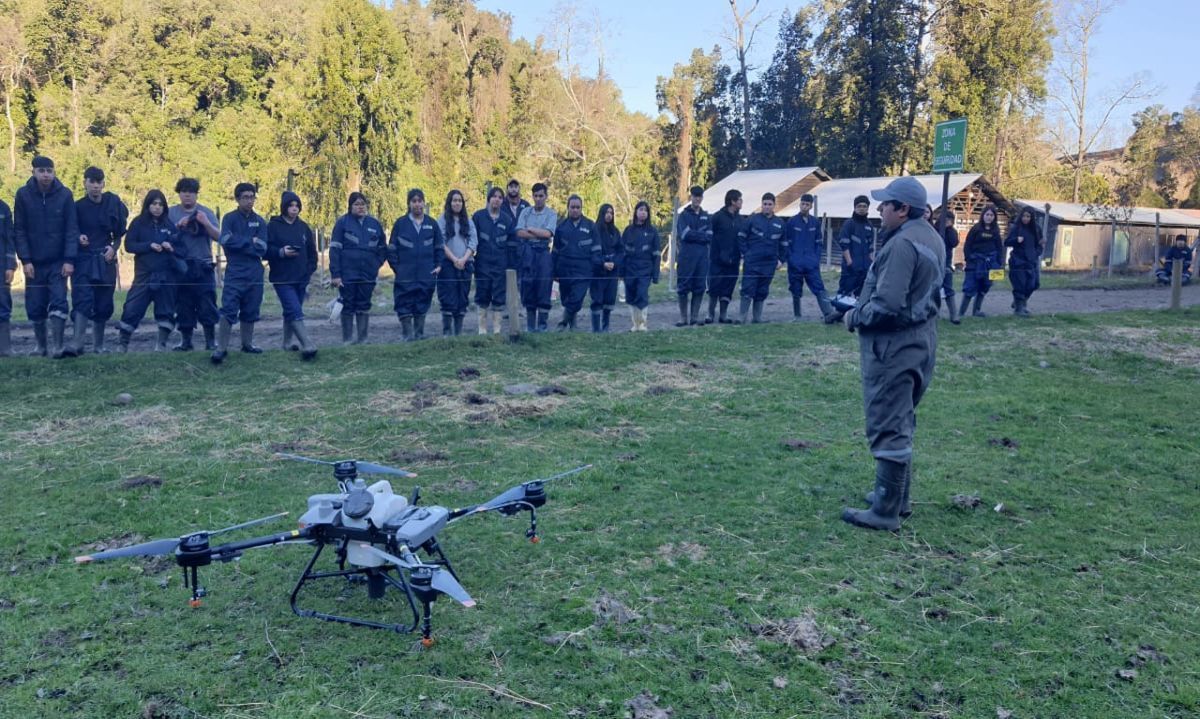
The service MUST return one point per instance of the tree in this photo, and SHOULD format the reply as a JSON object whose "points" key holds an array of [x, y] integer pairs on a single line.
{"points": [[14, 73], [63, 39], [1084, 117], [783, 130], [741, 39], [679, 96]]}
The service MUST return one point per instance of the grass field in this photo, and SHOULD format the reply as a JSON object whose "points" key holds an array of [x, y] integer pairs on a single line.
{"points": [[1050, 569]]}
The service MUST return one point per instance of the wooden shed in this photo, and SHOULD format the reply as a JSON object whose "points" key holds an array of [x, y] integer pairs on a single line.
{"points": [[1124, 238]]}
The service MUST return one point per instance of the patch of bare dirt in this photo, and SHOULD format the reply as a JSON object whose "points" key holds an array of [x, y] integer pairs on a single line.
{"points": [[966, 501], [141, 480], [418, 456], [645, 706], [800, 633], [802, 444], [670, 552], [608, 609]]}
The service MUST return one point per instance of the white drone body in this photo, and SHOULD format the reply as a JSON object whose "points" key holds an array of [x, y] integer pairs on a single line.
{"points": [[362, 507]]}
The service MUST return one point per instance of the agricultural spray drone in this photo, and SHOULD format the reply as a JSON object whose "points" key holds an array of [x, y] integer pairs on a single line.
{"points": [[375, 535]]}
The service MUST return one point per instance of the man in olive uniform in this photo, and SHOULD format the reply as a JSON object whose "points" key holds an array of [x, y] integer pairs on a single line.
{"points": [[897, 331]]}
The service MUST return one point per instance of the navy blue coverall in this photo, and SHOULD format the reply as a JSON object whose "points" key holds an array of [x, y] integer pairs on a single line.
{"points": [[8, 255], [725, 254], [604, 286], [803, 236], [95, 279], [1173, 255], [641, 263], [413, 255], [983, 251], [763, 248], [196, 300], [155, 273], [1024, 260], [495, 238], [576, 257], [357, 249], [244, 239], [858, 238], [290, 275], [695, 232]]}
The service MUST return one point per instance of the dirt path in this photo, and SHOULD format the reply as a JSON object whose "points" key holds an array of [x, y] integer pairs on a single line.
{"points": [[385, 328]]}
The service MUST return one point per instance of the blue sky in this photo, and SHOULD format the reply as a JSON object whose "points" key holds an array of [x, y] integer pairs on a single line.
{"points": [[645, 38]]}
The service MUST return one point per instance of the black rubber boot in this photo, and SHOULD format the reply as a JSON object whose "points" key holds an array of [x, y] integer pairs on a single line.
{"points": [[712, 310], [758, 310], [78, 335], [745, 310], [164, 334], [419, 326], [530, 319], [98, 327], [185, 341], [979, 307], [447, 325], [905, 505], [39, 338], [123, 341], [954, 317], [568, 322], [890, 478], [683, 310], [697, 302], [286, 344], [724, 317], [247, 336], [224, 330], [57, 326], [307, 349], [543, 320], [966, 305], [348, 328], [795, 308], [1022, 309], [5, 339], [597, 321], [363, 321], [605, 318], [210, 337], [406, 329], [458, 323]]}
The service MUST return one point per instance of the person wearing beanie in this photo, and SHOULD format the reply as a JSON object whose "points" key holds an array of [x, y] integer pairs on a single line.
{"points": [[805, 245], [357, 249], [693, 228], [244, 240], [494, 231], [102, 223], [196, 299], [857, 243], [765, 250], [1178, 252], [292, 259], [457, 262], [897, 339], [725, 257], [415, 252], [46, 232]]}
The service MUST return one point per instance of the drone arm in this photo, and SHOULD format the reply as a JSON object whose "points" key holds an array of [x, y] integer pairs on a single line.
{"points": [[225, 552]]}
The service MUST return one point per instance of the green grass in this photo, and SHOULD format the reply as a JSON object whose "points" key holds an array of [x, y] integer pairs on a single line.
{"points": [[698, 518]]}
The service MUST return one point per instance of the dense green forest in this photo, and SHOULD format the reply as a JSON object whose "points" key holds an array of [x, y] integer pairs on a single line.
{"points": [[382, 97]]}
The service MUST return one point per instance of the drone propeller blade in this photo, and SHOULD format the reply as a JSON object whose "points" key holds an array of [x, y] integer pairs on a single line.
{"points": [[372, 468], [443, 581], [251, 523], [298, 458], [147, 549]]}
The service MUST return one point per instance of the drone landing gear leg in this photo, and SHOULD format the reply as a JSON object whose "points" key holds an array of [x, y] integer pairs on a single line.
{"points": [[309, 575], [190, 581], [426, 626]]}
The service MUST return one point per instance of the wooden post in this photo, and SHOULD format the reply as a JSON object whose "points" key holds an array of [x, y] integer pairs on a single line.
{"points": [[1095, 266], [1046, 229], [672, 245], [828, 242], [291, 183], [514, 305], [1176, 284], [1157, 239], [1112, 246]]}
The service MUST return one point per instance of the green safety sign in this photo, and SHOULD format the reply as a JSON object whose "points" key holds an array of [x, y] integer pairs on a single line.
{"points": [[949, 145]]}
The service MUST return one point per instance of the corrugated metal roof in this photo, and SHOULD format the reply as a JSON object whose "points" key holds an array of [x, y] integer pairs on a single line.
{"points": [[753, 184], [835, 198], [1083, 214]]}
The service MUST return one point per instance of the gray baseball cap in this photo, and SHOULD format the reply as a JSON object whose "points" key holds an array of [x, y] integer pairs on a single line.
{"points": [[905, 190]]}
